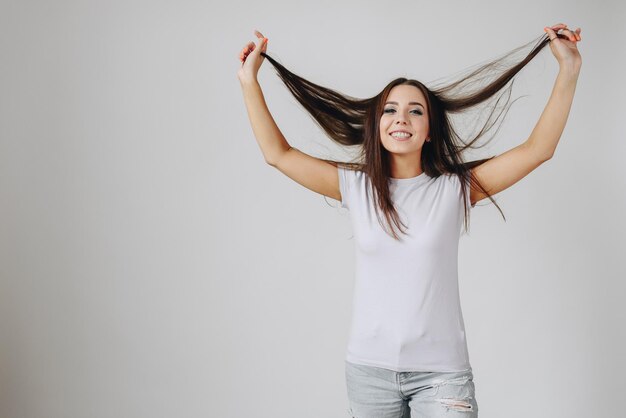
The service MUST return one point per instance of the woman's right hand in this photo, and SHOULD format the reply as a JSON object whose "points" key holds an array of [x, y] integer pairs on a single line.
{"points": [[251, 59]]}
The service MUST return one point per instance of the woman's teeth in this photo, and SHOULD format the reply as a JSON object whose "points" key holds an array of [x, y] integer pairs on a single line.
{"points": [[400, 135]]}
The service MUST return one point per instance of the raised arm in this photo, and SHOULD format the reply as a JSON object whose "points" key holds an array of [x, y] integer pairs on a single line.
{"points": [[271, 141], [501, 172], [546, 134], [313, 173]]}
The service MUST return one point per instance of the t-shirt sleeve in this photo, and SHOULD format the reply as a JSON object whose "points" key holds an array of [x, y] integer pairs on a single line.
{"points": [[459, 184], [344, 186]]}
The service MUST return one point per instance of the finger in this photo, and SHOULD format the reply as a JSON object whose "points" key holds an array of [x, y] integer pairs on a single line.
{"points": [[574, 35], [247, 48], [261, 44], [246, 51], [551, 33], [570, 35], [262, 40], [558, 26], [565, 33]]}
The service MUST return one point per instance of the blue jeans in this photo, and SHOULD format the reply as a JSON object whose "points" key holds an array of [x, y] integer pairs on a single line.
{"points": [[374, 392]]}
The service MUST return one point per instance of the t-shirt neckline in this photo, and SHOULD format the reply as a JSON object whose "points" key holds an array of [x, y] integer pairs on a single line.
{"points": [[410, 180]]}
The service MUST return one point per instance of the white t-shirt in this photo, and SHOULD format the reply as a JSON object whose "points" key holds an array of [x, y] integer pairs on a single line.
{"points": [[406, 313]]}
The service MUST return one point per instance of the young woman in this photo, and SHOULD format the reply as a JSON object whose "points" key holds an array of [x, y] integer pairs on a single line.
{"points": [[407, 354]]}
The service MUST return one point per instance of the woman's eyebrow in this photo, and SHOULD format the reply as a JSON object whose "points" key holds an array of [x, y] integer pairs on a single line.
{"points": [[410, 103]]}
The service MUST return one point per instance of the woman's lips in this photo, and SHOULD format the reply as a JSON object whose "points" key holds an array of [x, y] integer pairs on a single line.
{"points": [[401, 139]]}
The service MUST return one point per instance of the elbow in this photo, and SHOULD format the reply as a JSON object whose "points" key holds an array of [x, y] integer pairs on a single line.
{"points": [[541, 154], [543, 157], [271, 161], [547, 157]]}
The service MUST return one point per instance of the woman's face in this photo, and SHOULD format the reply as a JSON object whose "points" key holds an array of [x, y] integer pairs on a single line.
{"points": [[405, 111]]}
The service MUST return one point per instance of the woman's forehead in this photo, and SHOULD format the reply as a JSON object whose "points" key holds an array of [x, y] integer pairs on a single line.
{"points": [[405, 93]]}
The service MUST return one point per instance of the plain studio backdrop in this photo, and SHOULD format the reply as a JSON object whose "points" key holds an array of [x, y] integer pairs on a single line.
{"points": [[152, 264]]}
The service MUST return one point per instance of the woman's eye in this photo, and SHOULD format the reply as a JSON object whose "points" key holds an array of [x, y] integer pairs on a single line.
{"points": [[393, 110]]}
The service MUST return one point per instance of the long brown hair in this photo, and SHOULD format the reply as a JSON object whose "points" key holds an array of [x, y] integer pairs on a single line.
{"points": [[353, 122]]}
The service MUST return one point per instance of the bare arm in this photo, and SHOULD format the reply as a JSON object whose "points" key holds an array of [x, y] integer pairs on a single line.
{"points": [[313, 173], [270, 139], [503, 171], [546, 134]]}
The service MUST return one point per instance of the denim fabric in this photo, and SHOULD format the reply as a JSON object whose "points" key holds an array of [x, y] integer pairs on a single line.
{"points": [[375, 392]]}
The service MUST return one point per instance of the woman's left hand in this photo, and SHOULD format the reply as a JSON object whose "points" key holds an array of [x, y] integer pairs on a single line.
{"points": [[563, 46]]}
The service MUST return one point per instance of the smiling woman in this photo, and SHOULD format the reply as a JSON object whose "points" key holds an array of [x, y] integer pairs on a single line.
{"points": [[434, 147], [404, 129], [407, 353]]}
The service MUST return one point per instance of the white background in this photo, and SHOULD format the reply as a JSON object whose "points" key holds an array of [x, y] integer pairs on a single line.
{"points": [[152, 265]]}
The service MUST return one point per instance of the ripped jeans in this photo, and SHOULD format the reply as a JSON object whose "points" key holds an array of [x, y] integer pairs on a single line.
{"points": [[374, 392]]}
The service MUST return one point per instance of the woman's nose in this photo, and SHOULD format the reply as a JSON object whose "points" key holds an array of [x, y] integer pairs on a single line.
{"points": [[400, 118]]}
